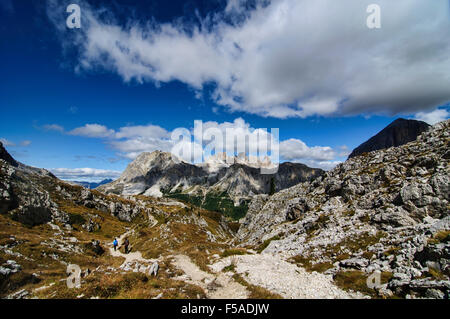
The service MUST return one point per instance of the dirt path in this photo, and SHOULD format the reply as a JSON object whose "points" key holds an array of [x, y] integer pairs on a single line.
{"points": [[130, 257], [216, 286], [264, 270], [281, 277]]}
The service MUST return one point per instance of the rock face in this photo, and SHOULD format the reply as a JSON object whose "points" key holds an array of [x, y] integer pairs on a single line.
{"points": [[4, 155], [22, 194], [154, 173], [397, 133], [28, 195], [386, 211]]}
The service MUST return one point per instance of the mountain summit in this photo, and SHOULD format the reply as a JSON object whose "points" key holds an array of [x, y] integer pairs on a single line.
{"points": [[4, 155], [398, 133], [153, 174], [387, 212]]}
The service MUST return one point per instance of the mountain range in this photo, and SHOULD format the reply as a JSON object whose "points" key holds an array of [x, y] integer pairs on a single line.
{"points": [[237, 178], [159, 173], [92, 185], [318, 234]]}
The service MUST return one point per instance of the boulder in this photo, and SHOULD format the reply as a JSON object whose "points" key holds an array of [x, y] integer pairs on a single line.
{"points": [[396, 217], [154, 269], [96, 247], [356, 263], [33, 215]]}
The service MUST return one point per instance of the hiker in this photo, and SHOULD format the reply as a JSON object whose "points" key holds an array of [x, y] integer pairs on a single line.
{"points": [[126, 243], [115, 244]]}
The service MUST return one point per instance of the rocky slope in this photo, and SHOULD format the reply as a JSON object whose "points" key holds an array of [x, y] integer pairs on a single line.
{"points": [[47, 224], [31, 196], [4, 155], [385, 211], [155, 173], [398, 133]]}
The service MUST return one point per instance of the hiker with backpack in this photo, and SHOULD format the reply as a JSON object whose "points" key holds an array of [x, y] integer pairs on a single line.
{"points": [[126, 243], [115, 244]]}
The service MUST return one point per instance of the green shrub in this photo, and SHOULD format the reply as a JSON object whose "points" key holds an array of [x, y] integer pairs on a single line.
{"points": [[232, 252]]}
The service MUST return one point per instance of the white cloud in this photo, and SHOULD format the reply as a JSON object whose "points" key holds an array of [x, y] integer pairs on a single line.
{"points": [[142, 131], [130, 148], [433, 117], [9, 143], [130, 141], [325, 165], [297, 150], [84, 174], [53, 127], [92, 130], [290, 58], [256, 139], [25, 143]]}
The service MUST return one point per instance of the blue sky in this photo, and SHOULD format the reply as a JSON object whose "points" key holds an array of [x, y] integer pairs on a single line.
{"points": [[53, 82]]}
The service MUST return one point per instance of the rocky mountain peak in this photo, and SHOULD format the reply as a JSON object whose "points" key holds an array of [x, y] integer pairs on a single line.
{"points": [[399, 132], [154, 157], [4, 155], [155, 173], [386, 211], [214, 162], [147, 161]]}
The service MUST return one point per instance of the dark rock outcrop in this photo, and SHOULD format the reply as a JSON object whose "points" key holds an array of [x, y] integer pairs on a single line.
{"points": [[4, 155], [33, 215], [398, 133]]}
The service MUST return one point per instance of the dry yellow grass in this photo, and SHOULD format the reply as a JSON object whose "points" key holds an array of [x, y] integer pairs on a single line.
{"points": [[256, 292], [171, 235]]}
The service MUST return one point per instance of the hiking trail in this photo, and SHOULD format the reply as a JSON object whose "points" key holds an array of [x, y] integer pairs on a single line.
{"points": [[216, 286]]}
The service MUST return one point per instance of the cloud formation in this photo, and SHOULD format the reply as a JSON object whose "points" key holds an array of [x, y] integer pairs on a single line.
{"points": [[433, 117], [92, 130], [9, 143], [289, 58], [295, 150], [84, 174], [130, 141], [53, 127], [25, 143]]}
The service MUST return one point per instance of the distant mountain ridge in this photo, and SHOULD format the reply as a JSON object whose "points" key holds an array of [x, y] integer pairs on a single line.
{"points": [[156, 173], [399, 132], [4, 155], [91, 185]]}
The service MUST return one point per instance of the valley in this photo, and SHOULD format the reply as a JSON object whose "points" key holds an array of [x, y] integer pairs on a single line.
{"points": [[318, 235]]}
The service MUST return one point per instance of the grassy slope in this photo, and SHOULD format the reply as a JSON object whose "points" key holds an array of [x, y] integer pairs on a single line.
{"points": [[178, 230]]}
